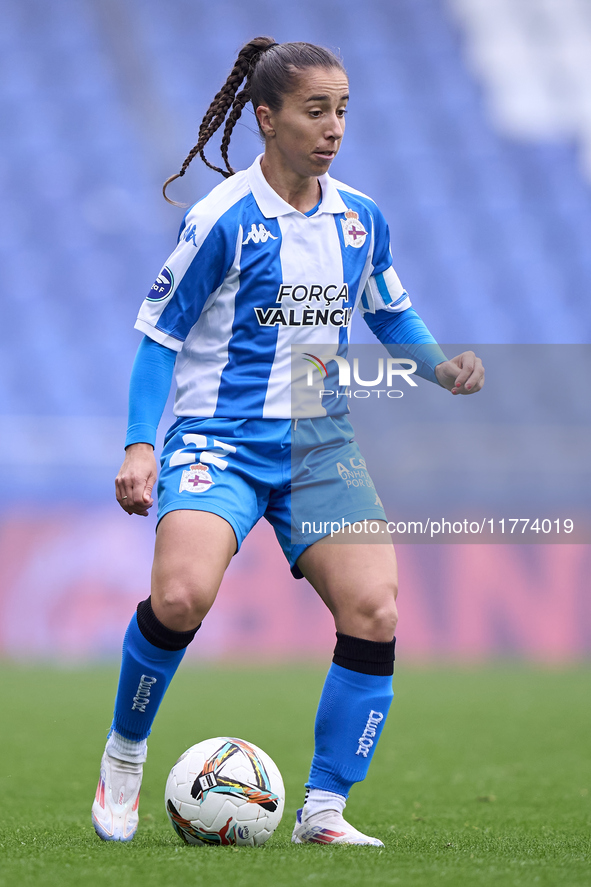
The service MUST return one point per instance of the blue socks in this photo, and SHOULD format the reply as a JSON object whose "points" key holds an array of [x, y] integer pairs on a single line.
{"points": [[352, 712], [151, 655]]}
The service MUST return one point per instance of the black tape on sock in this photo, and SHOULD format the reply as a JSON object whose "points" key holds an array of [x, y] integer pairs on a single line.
{"points": [[366, 657], [158, 634]]}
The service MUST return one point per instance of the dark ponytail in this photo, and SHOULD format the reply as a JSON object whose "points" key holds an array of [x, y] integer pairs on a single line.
{"points": [[270, 70]]}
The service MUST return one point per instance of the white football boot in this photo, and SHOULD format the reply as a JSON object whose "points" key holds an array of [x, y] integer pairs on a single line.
{"points": [[115, 809], [328, 827]]}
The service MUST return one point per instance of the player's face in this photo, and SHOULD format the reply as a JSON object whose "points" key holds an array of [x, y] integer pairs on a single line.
{"points": [[308, 130]]}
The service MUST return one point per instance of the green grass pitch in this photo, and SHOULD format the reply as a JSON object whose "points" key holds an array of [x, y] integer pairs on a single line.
{"points": [[482, 777]]}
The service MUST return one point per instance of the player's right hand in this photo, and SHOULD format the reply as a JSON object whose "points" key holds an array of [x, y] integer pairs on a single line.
{"points": [[136, 479]]}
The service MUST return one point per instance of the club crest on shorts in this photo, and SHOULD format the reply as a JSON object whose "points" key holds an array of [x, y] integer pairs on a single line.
{"points": [[353, 231], [196, 479]]}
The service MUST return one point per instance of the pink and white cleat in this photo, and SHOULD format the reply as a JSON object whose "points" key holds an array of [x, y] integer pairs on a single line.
{"points": [[328, 827], [115, 808]]}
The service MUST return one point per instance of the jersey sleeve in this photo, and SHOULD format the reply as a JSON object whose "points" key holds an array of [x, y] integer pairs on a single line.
{"points": [[192, 274], [383, 290], [151, 378], [405, 335]]}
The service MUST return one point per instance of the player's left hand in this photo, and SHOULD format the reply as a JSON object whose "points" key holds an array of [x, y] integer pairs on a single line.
{"points": [[463, 374]]}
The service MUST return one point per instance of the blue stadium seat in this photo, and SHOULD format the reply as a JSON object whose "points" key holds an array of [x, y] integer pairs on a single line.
{"points": [[490, 235]]}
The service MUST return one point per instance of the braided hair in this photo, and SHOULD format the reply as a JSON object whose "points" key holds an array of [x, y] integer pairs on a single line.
{"points": [[270, 70]]}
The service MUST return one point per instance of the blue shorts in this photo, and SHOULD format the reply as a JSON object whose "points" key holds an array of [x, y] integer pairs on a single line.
{"points": [[305, 476]]}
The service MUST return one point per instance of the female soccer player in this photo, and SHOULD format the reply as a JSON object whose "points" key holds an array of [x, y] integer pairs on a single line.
{"points": [[277, 255]]}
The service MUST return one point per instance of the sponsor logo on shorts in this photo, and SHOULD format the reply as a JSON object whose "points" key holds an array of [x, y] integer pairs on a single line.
{"points": [[367, 738], [163, 286], [356, 475], [196, 479]]}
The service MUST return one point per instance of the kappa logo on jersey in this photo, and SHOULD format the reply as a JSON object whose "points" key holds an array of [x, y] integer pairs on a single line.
{"points": [[353, 231], [258, 235], [188, 234], [163, 286], [196, 479]]}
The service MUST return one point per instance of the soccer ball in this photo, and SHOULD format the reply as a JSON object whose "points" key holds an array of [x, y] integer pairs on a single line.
{"points": [[224, 791]]}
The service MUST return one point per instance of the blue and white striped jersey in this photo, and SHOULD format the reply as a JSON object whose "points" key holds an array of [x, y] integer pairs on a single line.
{"points": [[250, 277]]}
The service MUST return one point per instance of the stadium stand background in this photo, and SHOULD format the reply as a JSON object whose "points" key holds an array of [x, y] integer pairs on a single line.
{"points": [[469, 123]]}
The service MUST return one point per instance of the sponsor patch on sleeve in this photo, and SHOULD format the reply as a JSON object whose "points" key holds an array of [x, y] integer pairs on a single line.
{"points": [[162, 286]]}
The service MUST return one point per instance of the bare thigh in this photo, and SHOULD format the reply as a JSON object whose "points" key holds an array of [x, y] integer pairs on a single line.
{"points": [[193, 549], [358, 582]]}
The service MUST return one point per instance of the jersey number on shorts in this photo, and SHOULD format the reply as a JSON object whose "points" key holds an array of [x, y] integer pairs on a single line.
{"points": [[210, 452]]}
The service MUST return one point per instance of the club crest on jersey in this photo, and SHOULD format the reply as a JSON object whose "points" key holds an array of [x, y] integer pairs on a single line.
{"points": [[258, 235], [353, 231], [163, 286], [196, 479]]}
